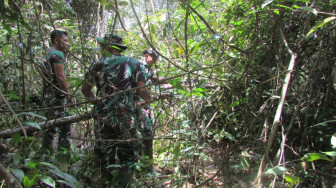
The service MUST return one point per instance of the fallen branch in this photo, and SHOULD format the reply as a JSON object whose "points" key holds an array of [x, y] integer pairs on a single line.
{"points": [[46, 124]]}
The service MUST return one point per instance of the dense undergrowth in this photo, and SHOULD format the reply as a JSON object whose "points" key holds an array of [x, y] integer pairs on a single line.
{"points": [[228, 61]]}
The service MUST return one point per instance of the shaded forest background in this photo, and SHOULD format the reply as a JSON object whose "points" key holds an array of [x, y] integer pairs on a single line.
{"points": [[253, 100]]}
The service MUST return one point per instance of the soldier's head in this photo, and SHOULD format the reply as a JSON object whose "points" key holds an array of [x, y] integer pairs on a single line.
{"points": [[112, 43], [59, 39], [151, 56]]}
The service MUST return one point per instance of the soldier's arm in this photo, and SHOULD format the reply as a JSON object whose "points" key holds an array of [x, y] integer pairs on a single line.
{"points": [[143, 92], [61, 80], [87, 87]]}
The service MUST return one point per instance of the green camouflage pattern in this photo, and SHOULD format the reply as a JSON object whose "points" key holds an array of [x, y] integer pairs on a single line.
{"points": [[54, 56], [115, 116], [145, 125], [54, 97]]}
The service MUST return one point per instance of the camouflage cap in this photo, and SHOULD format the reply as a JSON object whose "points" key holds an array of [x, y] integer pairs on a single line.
{"points": [[112, 40], [151, 51]]}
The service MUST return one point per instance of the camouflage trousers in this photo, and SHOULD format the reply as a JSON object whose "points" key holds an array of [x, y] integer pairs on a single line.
{"points": [[145, 125], [64, 130], [118, 126]]}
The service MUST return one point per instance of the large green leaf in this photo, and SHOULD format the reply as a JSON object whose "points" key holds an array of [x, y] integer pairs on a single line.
{"points": [[68, 179], [48, 165], [176, 84], [286, 7], [49, 181], [276, 170], [309, 157], [320, 24], [32, 114], [113, 166], [267, 2], [312, 10], [32, 165], [32, 124], [18, 173], [292, 180], [196, 47], [29, 182], [330, 153]]}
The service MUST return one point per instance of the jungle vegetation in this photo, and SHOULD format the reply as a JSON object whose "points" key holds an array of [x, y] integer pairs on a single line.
{"points": [[253, 103]]}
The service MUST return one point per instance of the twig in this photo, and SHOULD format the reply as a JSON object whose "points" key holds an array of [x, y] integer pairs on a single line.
{"points": [[213, 117]]}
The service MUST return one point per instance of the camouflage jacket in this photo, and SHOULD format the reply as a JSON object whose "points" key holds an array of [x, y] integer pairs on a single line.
{"points": [[112, 75]]}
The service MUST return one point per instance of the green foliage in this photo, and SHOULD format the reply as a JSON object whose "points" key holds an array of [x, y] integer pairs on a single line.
{"points": [[278, 170], [32, 114], [310, 157], [32, 124], [320, 24], [292, 180], [18, 173], [227, 60]]}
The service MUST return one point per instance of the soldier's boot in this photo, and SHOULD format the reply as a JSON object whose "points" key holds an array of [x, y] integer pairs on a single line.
{"points": [[125, 177]]}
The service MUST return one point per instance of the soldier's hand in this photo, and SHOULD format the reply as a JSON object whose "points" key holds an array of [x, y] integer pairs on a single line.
{"points": [[140, 104]]}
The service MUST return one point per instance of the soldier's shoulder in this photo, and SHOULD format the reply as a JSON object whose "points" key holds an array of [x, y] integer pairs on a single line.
{"points": [[58, 53], [125, 59]]}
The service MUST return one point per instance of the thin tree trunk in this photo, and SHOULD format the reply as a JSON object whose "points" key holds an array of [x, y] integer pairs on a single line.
{"points": [[23, 99], [276, 121]]}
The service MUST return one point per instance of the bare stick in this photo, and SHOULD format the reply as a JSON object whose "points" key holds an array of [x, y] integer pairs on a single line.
{"points": [[276, 121]]}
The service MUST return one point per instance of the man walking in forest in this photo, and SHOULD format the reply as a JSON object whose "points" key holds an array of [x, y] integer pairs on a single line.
{"points": [[56, 93], [145, 113], [114, 76]]}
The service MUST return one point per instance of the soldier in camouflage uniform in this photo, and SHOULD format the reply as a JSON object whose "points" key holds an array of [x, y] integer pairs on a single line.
{"points": [[56, 92], [145, 113], [115, 116]]}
